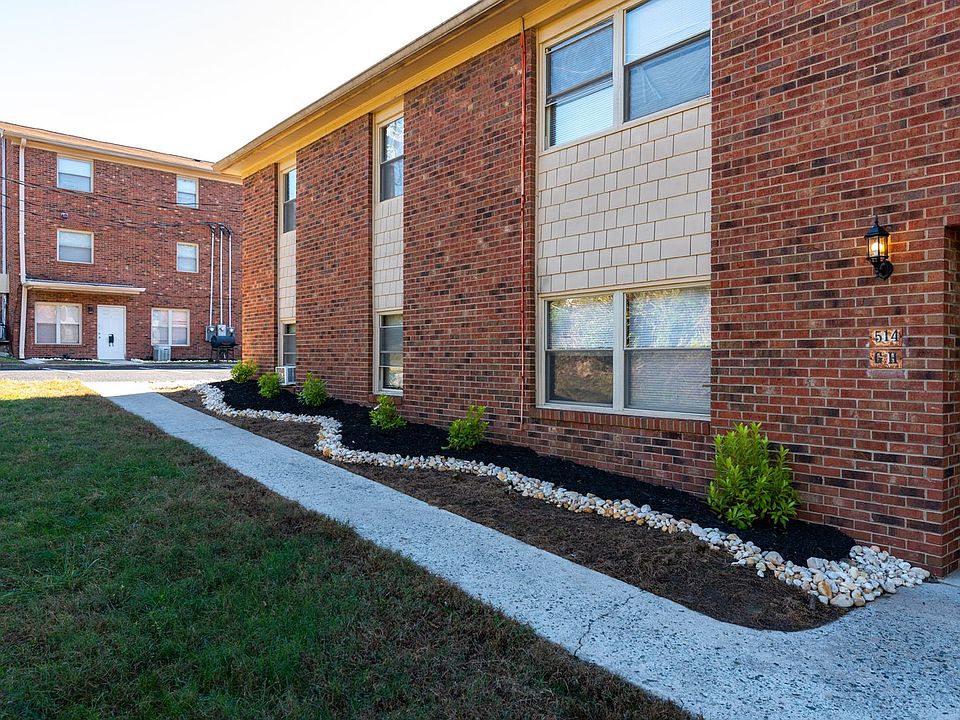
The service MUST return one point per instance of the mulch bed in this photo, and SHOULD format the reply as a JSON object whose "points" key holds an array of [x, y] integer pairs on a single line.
{"points": [[678, 567], [799, 542]]}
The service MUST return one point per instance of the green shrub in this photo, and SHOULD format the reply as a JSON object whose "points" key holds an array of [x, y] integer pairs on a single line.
{"points": [[244, 371], [314, 391], [466, 433], [385, 415], [269, 384], [752, 484]]}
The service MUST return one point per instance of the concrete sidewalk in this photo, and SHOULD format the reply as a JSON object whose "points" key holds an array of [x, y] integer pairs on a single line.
{"points": [[896, 658]]}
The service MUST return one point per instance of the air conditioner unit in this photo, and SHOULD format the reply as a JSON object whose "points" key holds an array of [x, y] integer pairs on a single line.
{"points": [[287, 373], [161, 353]]}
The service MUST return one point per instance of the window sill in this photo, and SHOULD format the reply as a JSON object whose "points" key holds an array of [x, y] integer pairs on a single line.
{"points": [[637, 419], [392, 393]]}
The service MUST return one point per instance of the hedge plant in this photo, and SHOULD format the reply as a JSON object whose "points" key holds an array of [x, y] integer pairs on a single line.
{"points": [[314, 392], [385, 415], [752, 484], [466, 433], [243, 371], [269, 384]]}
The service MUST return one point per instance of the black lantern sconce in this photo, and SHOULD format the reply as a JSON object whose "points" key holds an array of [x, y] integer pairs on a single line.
{"points": [[878, 249]]}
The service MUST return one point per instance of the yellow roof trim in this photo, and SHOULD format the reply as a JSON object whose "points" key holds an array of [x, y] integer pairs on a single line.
{"points": [[112, 152], [475, 30]]}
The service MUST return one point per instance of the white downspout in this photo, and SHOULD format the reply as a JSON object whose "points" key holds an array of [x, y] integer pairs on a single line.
{"points": [[23, 253], [5, 300]]}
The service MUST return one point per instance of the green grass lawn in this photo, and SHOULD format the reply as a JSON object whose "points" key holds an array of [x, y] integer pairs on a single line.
{"points": [[139, 578]]}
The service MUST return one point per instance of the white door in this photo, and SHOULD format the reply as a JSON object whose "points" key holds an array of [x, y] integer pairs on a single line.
{"points": [[111, 332]]}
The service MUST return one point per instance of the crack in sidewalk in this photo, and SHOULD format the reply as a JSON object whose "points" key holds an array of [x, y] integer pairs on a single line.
{"points": [[607, 613]]}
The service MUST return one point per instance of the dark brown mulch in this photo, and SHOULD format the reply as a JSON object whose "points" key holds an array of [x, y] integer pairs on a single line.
{"points": [[677, 567], [798, 542]]}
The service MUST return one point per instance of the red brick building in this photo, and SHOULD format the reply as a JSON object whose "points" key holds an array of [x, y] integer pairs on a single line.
{"points": [[624, 227], [107, 249]]}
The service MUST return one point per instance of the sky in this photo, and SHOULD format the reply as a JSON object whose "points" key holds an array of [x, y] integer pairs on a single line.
{"points": [[198, 78]]}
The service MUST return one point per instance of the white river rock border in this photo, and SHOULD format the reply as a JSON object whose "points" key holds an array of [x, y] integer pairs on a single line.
{"points": [[869, 573]]}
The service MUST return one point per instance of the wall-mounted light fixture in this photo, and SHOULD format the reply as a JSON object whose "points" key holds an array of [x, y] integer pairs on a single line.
{"points": [[878, 249]]}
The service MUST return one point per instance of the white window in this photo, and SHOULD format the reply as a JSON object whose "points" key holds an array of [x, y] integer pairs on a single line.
{"points": [[57, 324], [74, 246], [390, 352], [391, 160], [289, 344], [665, 62], [74, 174], [188, 257], [169, 327], [642, 351], [288, 199], [187, 192]]}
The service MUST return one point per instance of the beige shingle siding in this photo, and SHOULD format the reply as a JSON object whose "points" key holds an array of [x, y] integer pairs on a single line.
{"points": [[287, 277], [630, 207], [388, 254]]}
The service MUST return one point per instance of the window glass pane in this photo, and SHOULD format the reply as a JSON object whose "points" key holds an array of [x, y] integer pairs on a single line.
{"points": [[289, 344], [391, 378], [669, 318], [159, 335], [74, 246], [392, 140], [391, 320], [580, 323], [179, 317], [659, 24], [46, 333], [158, 317], [187, 199], [669, 380], [46, 313], [580, 377], [70, 314], [391, 338], [178, 335], [586, 57], [290, 185], [290, 215], [187, 185], [670, 79], [187, 257], [69, 334], [581, 114], [391, 179], [74, 174]]}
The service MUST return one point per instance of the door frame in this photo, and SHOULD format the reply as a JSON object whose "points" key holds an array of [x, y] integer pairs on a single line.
{"points": [[124, 308]]}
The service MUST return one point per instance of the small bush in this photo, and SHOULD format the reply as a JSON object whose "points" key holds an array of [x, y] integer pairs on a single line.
{"points": [[314, 391], [269, 384], [752, 484], [385, 415], [244, 371], [466, 433]]}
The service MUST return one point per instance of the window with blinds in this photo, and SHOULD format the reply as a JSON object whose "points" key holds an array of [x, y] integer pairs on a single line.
{"points": [[580, 85], [74, 246], [647, 350], [390, 350], [391, 160], [288, 182], [665, 46]]}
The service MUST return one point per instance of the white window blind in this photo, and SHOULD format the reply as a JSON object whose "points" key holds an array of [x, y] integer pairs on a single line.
{"points": [[579, 352], [188, 258], [57, 324], [169, 327], [187, 192], [74, 246], [74, 174]]}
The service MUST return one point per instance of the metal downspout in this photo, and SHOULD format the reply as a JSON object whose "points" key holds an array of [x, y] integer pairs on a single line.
{"points": [[22, 331], [5, 298]]}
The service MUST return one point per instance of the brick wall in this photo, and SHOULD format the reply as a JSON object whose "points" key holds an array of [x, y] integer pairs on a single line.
{"points": [[824, 113], [136, 227], [334, 261], [260, 203]]}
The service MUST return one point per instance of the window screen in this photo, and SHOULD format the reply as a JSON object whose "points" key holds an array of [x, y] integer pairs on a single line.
{"points": [[667, 54], [391, 160], [391, 352], [579, 357], [668, 350], [580, 85]]}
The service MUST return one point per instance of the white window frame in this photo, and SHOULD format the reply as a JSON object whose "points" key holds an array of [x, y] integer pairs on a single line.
{"points": [[88, 161], [196, 192], [384, 118], [75, 232], [284, 334], [58, 306], [619, 352], [378, 388], [170, 325], [196, 249], [574, 24]]}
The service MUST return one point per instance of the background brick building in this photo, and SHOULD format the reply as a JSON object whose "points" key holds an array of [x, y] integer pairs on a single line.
{"points": [[117, 247], [738, 205]]}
